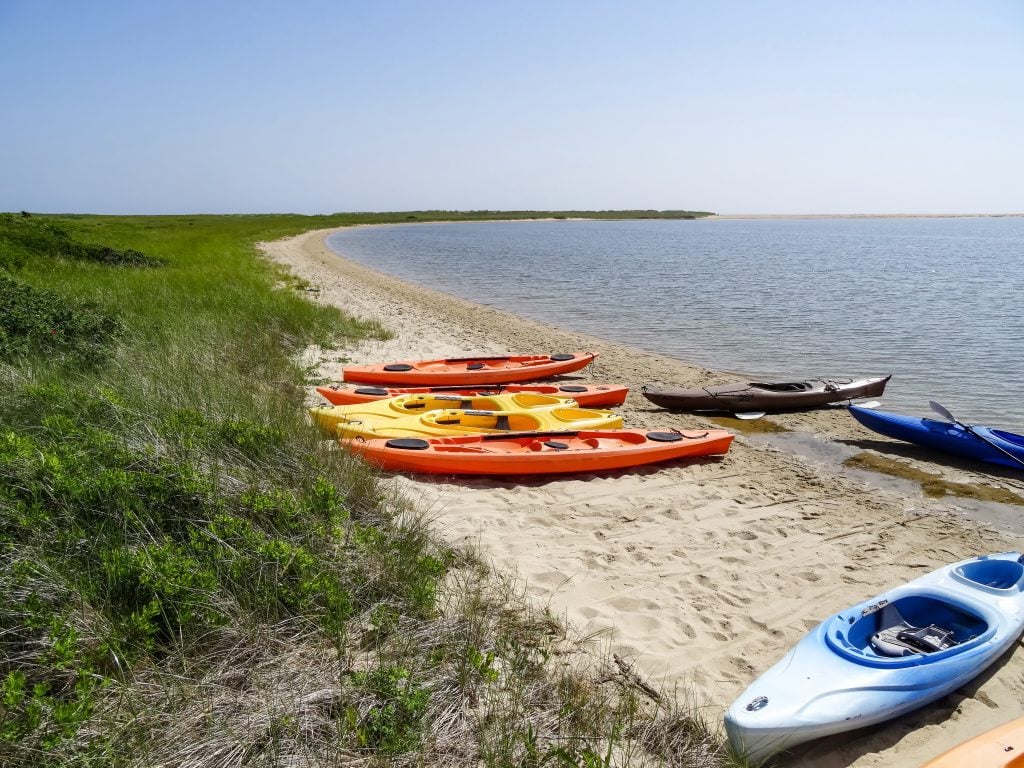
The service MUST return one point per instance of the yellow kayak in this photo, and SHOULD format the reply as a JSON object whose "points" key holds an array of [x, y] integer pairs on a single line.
{"points": [[328, 417], [456, 422]]}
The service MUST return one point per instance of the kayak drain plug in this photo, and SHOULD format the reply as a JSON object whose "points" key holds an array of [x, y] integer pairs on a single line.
{"points": [[759, 703]]}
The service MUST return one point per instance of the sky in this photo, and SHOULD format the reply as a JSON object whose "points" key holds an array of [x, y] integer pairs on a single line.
{"points": [[320, 106]]}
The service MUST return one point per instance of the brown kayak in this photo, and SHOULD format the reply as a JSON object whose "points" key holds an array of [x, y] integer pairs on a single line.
{"points": [[781, 396]]}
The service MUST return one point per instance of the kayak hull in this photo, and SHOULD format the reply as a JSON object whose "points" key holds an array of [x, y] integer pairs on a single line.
{"points": [[469, 371], [401, 406], [1001, 747], [754, 396], [834, 679], [585, 395], [994, 446], [541, 453]]}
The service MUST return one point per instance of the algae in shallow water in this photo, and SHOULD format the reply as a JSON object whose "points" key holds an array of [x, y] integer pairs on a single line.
{"points": [[931, 483]]}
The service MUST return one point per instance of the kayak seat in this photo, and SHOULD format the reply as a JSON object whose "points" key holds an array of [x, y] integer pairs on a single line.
{"points": [[912, 625], [905, 640], [898, 637], [788, 386]]}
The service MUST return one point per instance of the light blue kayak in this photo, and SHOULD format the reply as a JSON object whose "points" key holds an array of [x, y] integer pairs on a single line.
{"points": [[884, 657]]}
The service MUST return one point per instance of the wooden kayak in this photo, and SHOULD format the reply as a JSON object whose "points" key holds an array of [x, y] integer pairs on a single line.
{"points": [[468, 371], [327, 418], [456, 422], [1002, 747], [756, 396], [539, 453], [586, 395]]}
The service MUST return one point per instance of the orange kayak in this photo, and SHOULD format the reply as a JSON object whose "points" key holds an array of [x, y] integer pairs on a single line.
{"points": [[586, 395], [539, 453], [467, 370], [1002, 747]]}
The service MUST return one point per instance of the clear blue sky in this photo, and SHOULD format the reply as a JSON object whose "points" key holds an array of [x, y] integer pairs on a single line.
{"points": [[314, 106]]}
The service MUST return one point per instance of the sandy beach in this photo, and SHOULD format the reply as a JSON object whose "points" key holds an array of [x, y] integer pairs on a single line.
{"points": [[704, 573]]}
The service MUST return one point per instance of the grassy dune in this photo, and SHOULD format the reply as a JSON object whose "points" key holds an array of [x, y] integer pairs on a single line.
{"points": [[189, 576]]}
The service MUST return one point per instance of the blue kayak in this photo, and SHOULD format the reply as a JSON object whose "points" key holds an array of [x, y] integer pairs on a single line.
{"points": [[995, 446], [886, 656]]}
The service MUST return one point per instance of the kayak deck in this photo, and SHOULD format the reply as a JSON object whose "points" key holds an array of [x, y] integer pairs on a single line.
{"points": [[541, 453]]}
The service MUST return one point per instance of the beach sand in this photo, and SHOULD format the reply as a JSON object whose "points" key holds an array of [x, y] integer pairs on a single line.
{"points": [[704, 573]]}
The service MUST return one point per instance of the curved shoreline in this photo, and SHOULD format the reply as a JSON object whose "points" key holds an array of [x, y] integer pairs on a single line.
{"points": [[705, 572]]}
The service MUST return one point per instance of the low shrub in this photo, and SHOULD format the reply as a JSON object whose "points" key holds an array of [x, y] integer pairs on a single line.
{"points": [[23, 238], [36, 323]]}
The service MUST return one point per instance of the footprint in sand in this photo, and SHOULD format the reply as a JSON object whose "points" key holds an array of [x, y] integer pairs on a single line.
{"points": [[687, 630]]}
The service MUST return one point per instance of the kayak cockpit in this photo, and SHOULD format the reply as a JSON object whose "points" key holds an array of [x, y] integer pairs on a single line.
{"points": [[784, 386], [910, 630], [1009, 437], [995, 575]]}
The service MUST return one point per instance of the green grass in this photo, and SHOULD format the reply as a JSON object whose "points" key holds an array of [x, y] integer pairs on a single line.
{"points": [[188, 574]]}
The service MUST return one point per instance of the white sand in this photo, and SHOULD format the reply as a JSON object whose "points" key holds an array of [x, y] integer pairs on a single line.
{"points": [[705, 573]]}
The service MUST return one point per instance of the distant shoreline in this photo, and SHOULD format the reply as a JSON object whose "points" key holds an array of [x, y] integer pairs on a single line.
{"points": [[787, 216]]}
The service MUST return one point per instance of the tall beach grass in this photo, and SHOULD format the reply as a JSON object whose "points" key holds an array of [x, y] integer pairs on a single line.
{"points": [[189, 576]]}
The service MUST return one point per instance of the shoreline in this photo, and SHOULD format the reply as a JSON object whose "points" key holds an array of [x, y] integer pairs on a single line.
{"points": [[796, 216], [706, 573]]}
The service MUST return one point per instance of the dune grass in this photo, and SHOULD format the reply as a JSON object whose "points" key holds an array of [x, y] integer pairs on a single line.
{"points": [[189, 576]]}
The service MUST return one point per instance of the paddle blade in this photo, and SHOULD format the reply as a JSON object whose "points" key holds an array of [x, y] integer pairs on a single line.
{"points": [[749, 415], [941, 411]]}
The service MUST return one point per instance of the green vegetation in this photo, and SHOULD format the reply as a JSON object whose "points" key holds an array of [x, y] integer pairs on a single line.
{"points": [[26, 237], [187, 575], [35, 322], [515, 215]]}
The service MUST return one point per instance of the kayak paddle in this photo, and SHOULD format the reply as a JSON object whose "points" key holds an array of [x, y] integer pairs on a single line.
{"points": [[947, 415]]}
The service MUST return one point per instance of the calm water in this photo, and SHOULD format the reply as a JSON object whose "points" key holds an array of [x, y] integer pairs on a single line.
{"points": [[936, 302]]}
